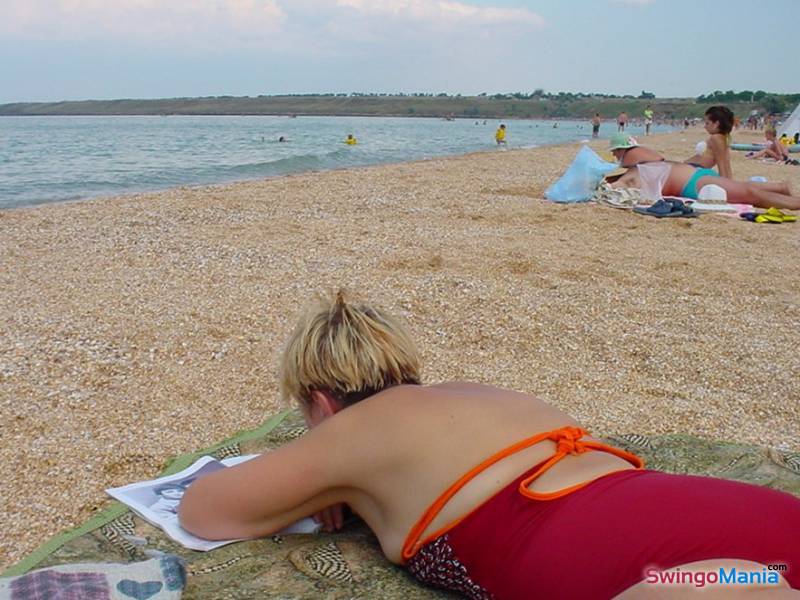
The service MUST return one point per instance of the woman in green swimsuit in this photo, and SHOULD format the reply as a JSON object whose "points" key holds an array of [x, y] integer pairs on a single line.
{"points": [[690, 190]]}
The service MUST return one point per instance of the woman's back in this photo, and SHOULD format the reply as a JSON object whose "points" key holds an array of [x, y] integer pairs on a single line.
{"points": [[419, 440], [392, 449], [639, 154]]}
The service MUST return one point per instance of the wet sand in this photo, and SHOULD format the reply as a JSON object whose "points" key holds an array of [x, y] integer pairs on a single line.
{"points": [[134, 329]]}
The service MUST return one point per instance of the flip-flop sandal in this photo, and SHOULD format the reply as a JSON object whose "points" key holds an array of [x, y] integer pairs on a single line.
{"points": [[765, 218], [688, 211], [643, 211], [673, 214], [779, 214], [682, 206], [662, 208]]}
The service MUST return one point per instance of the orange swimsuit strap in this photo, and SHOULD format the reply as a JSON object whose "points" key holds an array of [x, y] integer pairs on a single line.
{"points": [[568, 440]]}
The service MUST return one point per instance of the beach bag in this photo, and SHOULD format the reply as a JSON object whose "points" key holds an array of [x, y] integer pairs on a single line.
{"points": [[580, 180]]}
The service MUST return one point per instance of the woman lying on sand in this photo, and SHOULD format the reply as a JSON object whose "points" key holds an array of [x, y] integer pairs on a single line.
{"points": [[487, 492], [629, 153], [685, 181]]}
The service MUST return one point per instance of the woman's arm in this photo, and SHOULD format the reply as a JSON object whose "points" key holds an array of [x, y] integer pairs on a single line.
{"points": [[722, 155], [629, 179], [265, 494]]}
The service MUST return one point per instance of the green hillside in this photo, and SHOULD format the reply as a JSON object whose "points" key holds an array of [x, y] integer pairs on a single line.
{"points": [[421, 105]]}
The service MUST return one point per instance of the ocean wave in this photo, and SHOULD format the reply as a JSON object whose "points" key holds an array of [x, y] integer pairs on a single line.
{"points": [[281, 166]]}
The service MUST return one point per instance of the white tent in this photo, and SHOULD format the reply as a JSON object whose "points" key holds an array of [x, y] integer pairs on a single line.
{"points": [[791, 125]]}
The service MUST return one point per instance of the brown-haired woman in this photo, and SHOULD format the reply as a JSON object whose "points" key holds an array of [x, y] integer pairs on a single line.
{"points": [[719, 124]]}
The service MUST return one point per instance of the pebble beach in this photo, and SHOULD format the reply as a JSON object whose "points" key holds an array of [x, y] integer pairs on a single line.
{"points": [[137, 328]]}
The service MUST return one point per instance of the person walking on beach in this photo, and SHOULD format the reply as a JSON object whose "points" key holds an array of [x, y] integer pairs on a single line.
{"points": [[500, 135], [752, 120], [596, 125], [648, 119], [622, 120]]}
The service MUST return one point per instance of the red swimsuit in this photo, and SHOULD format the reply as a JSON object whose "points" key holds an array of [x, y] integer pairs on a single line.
{"points": [[597, 539]]}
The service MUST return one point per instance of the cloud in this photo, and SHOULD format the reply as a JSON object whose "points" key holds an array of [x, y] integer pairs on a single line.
{"points": [[311, 28], [444, 13], [141, 20], [634, 2]]}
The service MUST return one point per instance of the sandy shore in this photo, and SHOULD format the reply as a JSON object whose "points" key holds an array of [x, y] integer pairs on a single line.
{"points": [[135, 329]]}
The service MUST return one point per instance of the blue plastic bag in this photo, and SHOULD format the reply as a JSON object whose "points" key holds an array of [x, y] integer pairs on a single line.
{"points": [[580, 180]]}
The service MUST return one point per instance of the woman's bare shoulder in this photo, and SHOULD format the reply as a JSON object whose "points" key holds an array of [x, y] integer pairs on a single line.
{"points": [[461, 386], [470, 388], [409, 400], [412, 391], [718, 141], [639, 154]]}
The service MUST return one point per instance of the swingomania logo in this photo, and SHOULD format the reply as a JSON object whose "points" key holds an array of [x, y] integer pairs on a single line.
{"points": [[768, 575]]}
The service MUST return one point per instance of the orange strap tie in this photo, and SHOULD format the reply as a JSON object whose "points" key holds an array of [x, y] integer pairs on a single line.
{"points": [[568, 441]]}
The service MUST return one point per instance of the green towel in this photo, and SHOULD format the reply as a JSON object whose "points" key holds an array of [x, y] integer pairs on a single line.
{"points": [[349, 563]]}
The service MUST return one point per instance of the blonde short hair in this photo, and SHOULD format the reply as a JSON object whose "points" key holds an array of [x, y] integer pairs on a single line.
{"points": [[349, 350]]}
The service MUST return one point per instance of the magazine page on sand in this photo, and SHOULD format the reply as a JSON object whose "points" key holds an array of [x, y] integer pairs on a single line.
{"points": [[157, 502]]}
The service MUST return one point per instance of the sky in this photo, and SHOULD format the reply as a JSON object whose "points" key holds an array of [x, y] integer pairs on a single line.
{"points": [[54, 50]]}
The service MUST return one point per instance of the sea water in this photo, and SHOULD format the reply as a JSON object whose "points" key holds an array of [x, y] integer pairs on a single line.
{"points": [[52, 159]]}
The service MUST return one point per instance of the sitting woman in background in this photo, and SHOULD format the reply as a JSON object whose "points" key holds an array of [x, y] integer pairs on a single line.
{"points": [[487, 492], [717, 153], [774, 149], [685, 181]]}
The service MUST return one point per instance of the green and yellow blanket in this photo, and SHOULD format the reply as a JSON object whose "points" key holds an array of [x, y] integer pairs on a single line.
{"points": [[349, 564]]}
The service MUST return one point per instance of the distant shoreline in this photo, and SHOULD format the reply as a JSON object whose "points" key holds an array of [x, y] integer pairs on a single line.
{"points": [[355, 115], [456, 107], [364, 115]]}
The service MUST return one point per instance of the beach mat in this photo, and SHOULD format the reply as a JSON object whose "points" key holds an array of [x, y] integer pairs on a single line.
{"points": [[349, 563]]}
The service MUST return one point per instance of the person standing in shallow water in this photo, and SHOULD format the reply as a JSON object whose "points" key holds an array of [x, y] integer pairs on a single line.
{"points": [[500, 135], [622, 121], [596, 125], [648, 119]]}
